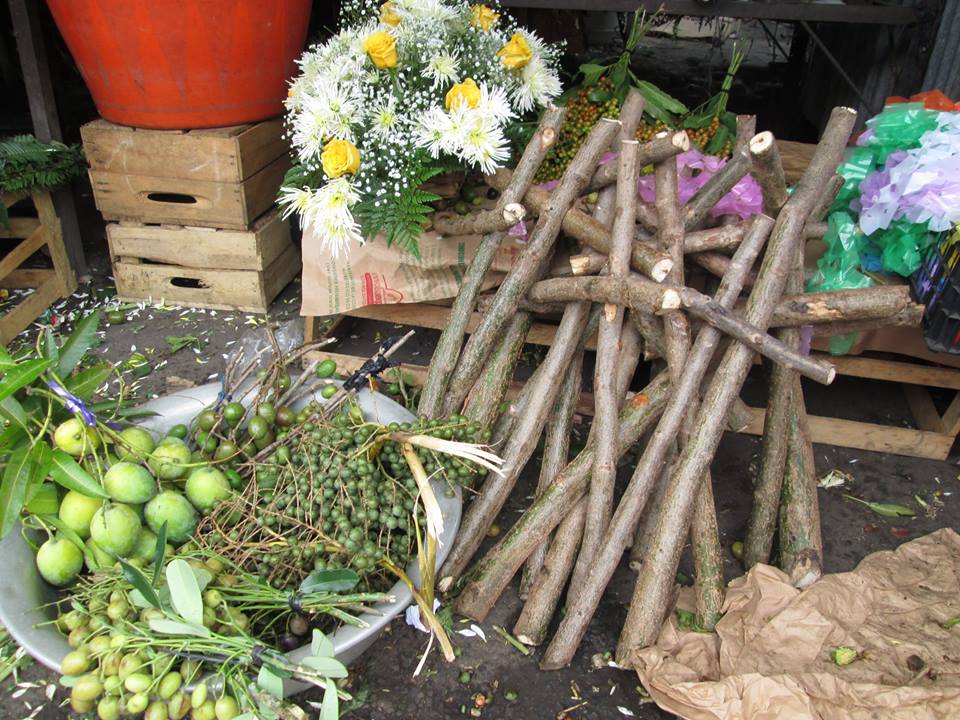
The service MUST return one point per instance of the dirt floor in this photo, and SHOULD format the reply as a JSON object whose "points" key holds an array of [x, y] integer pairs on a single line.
{"points": [[589, 689]]}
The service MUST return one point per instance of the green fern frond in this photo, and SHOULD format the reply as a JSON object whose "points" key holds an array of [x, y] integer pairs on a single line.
{"points": [[403, 218], [28, 164]]}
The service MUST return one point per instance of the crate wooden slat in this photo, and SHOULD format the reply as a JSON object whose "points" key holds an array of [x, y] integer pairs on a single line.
{"points": [[229, 154], [933, 437], [202, 247], [178, 201], [201, 267], [49, 284]]}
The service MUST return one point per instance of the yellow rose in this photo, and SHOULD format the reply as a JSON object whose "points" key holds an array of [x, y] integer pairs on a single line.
{"points": [[516, 53], [466, 93], [381, 49], [483, 17], [388, 14], [340, 157]]}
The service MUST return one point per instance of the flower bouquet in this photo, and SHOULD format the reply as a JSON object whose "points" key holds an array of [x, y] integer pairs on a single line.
{"points": [[406, 90]]}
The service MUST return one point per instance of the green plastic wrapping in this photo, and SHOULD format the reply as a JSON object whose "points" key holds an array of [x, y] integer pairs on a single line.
{"points": [[904, 245], [899, 127], [839, 267]]}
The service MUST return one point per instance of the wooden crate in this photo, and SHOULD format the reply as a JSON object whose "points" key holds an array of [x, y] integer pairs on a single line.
{"points": [[222, 177], [204, 267], [49, 284]]}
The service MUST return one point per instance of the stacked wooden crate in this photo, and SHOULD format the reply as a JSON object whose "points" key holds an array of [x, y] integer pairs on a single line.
{"points": [[193, 215]]}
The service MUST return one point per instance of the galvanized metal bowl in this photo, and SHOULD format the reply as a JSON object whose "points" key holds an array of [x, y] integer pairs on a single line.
{"points": [[25, 593]]}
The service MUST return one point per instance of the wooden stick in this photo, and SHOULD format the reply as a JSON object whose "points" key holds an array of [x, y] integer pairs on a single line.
{"points": [[801, 543], [493, 573], [483, 401], [768, 171], [634, 291], [580, 226], [753, 337], [746, 129], [725, 237], [509, 210], [555, 456], [445, 355], [481, 513], [843, 306], [707, 557], [664, 145], [606, 400], [715, 188], [654, 586], [718, 264], [545, 590], [909, 317], [651, 329], [589, 262], [581, 609], [531, 262], [826, 199]]}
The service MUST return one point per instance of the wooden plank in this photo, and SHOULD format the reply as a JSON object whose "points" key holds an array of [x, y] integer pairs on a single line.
{"points": [[951, 418], [29, 309], [795, 157], [433, 316], [894, 371], [259, 144], [193, 287], [217, 155], [55, 242], [284, 269], [36, 69], [24, 249], [867, 436], [255, 249], [925, 415], [177, 201], [27, 277], [19, 227]]}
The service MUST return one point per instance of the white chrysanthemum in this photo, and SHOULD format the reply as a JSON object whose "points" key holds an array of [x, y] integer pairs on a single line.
{"points": [[483, 144], [433, 132], [327, 110], [494, 104], [444, 67], [384, 118], [432, 10], [326, 211], [538, 85]]}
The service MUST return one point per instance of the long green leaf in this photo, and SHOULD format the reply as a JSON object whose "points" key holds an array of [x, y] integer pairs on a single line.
{"points": [[329, 581], [81, 339], [172, 627], [184, 591], [12, 411], [270, 681], [320, 645], [22, 375], [326, 666], [159, 553], [85, 382], [67, 472], [50, 350], [13, 487], [140, 583], [592, 72], [42, 499], [6, 362], [330, 709]]}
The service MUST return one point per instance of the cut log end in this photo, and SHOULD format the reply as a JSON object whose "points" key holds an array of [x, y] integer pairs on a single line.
{"points": [[445, 583], [514, 213], [661, 269], [761, 142], [831, 375], [681, 140], [670, 300]]}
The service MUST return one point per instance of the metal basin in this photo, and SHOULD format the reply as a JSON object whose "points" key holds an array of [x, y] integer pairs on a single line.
{"points": [[26, 592]]}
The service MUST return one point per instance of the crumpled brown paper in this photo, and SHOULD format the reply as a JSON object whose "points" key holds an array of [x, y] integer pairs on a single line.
{"points": [[770, 655]]}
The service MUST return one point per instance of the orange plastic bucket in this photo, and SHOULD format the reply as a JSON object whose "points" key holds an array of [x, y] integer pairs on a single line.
{"points": [[179, 64]]}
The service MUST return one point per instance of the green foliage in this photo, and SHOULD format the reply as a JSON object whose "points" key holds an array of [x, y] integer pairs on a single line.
{"points": [[26, 164], [402, 218]]}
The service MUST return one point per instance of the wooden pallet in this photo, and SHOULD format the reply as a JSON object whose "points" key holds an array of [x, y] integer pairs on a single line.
{"points": [[204, 267], [35, 234], [932, 438], [223, 177]]}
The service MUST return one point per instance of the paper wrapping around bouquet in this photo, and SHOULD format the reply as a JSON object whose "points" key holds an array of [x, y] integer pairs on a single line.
{"points": [[375, 274]]}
